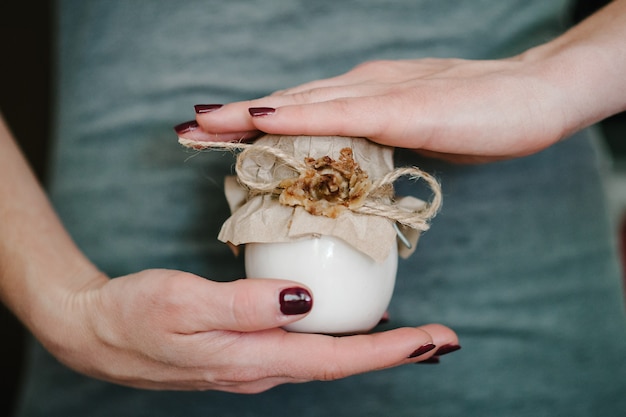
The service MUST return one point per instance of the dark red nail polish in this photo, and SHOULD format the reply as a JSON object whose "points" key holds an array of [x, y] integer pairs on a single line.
{"points": [[261, 111], [295, 301], [421, 350], [447, 349], [430, 361], [186, 127], [207, 108]]}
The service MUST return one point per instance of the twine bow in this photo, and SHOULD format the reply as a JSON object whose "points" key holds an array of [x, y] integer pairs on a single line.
{"points": [[377, 197]]}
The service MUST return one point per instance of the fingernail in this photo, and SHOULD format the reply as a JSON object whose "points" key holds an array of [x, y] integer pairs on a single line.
{"points": [[445, 349], [207, 108], [261, 111], [385, 318], [295, 301], [430, 361], [421, 350], [185, 127]]}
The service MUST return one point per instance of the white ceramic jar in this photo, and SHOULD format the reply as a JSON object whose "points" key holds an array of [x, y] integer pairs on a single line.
{"points": [[351, 291]]}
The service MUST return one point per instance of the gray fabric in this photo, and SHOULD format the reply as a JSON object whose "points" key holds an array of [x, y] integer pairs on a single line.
{"points": [[520, 261]]}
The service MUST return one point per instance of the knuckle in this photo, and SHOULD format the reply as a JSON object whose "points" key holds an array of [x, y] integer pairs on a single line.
{"points": [[165, 297], [374, 65], [244, 309], [311, 95], [236, 378], [333, 371]]}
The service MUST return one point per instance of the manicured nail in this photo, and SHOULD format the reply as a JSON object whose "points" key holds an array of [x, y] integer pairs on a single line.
{"points": [[207, 108], [430, 361], [445, 349], [261, 111], [186, 127], [385, 318], [421, 350], [295, 301]]}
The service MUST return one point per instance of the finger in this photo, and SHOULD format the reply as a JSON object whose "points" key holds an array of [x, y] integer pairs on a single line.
{"points": [[192, 135], [248, 305], [317, 357], [442, 337], [235, 117], [359, 117], [338, 81]]}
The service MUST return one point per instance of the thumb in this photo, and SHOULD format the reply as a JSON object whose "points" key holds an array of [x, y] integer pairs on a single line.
{"points": [[248, 305]]}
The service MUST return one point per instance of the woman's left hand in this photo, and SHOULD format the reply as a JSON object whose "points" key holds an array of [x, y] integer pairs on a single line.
{"points": [[457, 109], [492, 109]]}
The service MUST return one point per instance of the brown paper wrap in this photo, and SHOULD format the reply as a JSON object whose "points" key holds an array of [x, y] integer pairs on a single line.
{"points": [[365, 221]]}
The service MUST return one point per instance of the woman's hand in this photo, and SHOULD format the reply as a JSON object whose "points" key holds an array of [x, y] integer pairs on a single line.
{"points": [[164, 329], [493, 109], [456, 109]]}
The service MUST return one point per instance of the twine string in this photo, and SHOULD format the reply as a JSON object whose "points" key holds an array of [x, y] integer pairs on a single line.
{"points": [[379, 201]]}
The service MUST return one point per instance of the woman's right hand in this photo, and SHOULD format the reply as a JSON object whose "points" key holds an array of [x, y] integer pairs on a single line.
{"points": [[165, 329]]}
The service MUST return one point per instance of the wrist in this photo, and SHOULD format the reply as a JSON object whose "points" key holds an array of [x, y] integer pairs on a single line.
{"points": [[582, 83], [586, 66], [50, 302], [59, 315]]}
